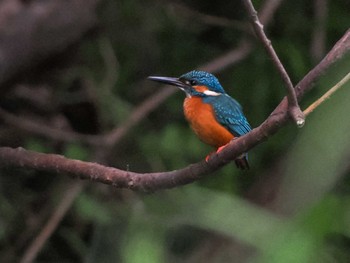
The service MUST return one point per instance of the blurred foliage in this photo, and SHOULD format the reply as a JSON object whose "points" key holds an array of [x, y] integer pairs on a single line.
{"points": [[94, 86]]}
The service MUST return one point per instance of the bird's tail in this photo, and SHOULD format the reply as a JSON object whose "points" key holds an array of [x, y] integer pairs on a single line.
{"points": [[242, 162]]}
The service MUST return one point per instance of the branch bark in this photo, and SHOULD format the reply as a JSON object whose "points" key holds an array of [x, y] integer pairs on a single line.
{"points": [[155, 181], [293, 107], [264, 191]]}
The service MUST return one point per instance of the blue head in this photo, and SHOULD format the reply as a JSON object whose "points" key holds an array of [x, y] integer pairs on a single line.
{"points": [[195, 83]]}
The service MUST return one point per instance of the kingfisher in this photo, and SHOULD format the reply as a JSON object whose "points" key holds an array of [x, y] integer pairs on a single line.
{"points": [[214, 116]]}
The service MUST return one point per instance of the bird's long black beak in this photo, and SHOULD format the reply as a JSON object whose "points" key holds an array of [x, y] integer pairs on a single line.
{"points": [[170, 81]]}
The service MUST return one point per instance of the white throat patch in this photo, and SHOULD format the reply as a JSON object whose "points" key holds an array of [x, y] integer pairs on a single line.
{"points": [[211, 93]]}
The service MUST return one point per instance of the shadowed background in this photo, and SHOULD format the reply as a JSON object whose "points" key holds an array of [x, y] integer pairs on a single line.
{"points": [[73, 70]]}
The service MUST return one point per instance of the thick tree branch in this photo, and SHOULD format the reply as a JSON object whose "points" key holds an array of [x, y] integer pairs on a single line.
{"points": [[293, 106], [162, 180]]}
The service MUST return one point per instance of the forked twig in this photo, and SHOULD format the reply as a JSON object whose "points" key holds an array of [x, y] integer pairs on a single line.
{"points": [[293, 106]]}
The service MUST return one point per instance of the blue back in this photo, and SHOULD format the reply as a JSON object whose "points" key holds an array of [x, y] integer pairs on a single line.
{"points": [[228, 112]]}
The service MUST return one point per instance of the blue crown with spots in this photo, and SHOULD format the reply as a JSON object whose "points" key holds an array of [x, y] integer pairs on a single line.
{"points": [[205, 79]]}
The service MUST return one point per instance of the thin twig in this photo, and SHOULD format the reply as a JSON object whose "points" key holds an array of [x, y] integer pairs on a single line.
{"points": [[339, 49], [111, 64], [268, 10], [293, 106], [185, 11], [43, 129], [68, 198], [318, 42], [71, 193], [327, 95], [242, 50], [267, 190]]}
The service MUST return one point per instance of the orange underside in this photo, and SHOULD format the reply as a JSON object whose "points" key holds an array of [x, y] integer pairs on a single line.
{"points": [[201, 118]]}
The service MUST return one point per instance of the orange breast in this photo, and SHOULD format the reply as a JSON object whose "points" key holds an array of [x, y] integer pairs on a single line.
{"points": [[202, 120]]}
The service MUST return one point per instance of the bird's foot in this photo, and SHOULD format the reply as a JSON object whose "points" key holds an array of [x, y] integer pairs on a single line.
{"points": [[220, 148], [217, 151], [241, 161], [208, 157]]}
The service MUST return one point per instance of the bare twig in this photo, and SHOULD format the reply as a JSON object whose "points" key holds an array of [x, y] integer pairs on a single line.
{"points": [[338, 51], [318, 42], [43, 129], [68, 198], [111, 64], [268, 10], [242, 50], [327, 95], [268, 183], [192, 14], [293, 106]]}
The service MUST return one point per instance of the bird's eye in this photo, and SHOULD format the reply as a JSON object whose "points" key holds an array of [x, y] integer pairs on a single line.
{"points": [[193, 82]]}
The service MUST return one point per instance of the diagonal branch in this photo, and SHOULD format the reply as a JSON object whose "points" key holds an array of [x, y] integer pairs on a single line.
{"points": [[212, 20], [327, 95], [162, 180], [32, 251], [293, 106]]}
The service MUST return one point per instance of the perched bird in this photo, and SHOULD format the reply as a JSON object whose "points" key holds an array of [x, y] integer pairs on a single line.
{"points": [[215, 117]]}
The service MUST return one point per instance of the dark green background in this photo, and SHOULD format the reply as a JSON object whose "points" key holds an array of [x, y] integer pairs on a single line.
{"points": [[96, 84]]}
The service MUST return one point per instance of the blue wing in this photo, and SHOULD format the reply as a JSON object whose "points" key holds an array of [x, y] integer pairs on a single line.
{"points": [[229, 114]]}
